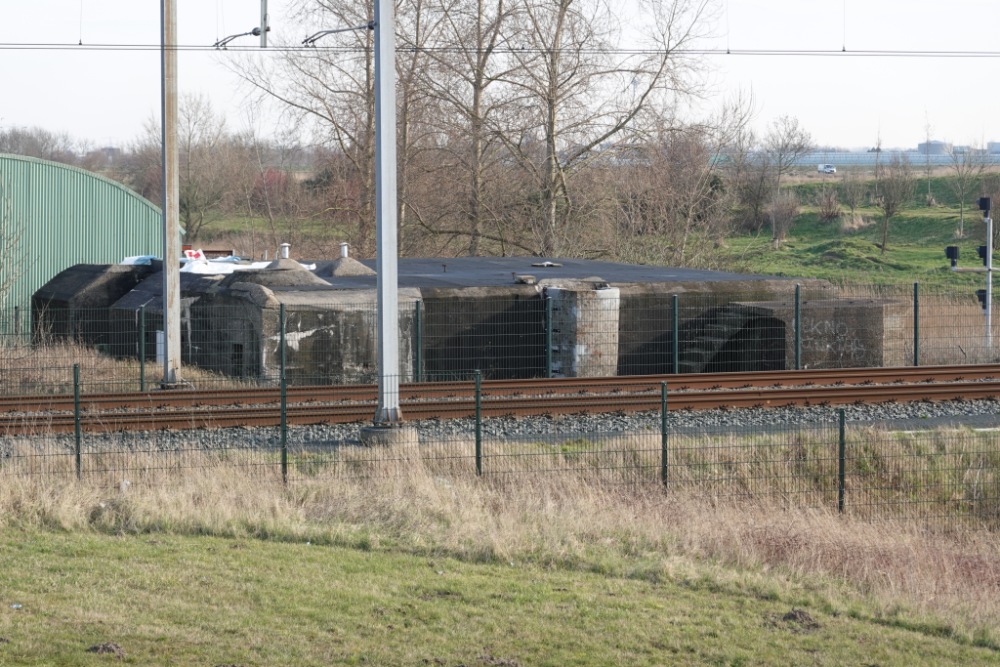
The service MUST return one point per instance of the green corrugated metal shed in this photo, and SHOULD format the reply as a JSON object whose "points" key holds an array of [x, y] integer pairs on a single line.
{"points": [[60, 216]]}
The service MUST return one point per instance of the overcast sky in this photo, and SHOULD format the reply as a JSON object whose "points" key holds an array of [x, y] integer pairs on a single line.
{"points": [[843, 94]]}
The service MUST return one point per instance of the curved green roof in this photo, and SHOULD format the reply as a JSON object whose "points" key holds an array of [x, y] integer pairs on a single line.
{"points": [[53, 216]]}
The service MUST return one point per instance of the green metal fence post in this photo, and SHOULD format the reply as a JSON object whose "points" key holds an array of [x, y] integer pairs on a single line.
{"points": [[419, 343], [916, 324], [548, 336], [841, 461], [284, 397], [663, 434], [76, 421], [17, 323], [675, 327], [798, 327], [479, 423], [142, 347]]}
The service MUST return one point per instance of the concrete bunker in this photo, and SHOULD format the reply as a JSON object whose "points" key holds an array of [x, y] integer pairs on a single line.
{"points": [[576, 319]]}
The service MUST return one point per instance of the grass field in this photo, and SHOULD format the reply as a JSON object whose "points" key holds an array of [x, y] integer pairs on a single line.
{"points": [[849, 251], [172, 600], [225, 566]]}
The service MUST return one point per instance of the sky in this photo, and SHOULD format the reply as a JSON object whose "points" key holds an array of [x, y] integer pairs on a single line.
{"points": [[827, 65]]}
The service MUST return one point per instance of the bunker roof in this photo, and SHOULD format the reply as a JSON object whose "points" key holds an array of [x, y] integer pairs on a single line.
{"points": [[456, 273]]}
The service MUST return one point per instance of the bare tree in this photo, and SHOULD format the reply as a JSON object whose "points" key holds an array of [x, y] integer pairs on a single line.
{"points": [[468, 84], [782, 211], [895, 187], [785, 142], [750, 176], [967, 167], [758, 166], [672, 202], [487, 88], [578, 95], [205, 168], [828, 204], [40, 143], [208, 164], [328, 94], [927, 159], [852, 190]]}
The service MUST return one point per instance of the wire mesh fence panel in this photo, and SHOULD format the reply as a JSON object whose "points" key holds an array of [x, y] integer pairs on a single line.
{"points": [[605, 457], [605, 441], [502, 337], [787, 466], [949, 474], [147, 456], [362, 449], [39, 455], [953, 330]]}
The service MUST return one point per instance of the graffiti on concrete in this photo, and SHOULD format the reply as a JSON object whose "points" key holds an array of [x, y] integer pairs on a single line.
{"points": [[834, 340]]}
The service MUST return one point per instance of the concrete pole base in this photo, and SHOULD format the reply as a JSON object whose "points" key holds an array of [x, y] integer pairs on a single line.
{"points": [[388, 436]]}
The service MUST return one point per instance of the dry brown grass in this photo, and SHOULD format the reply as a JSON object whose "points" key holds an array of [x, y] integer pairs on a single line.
{"points": [[46, 367], [852, 224], [429, 502]]}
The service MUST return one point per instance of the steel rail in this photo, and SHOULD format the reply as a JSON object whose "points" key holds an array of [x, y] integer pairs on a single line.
{"points": [[639, 399], [244, 396]]}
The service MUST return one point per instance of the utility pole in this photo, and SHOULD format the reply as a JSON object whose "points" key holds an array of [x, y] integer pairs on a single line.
{"points": [[263, 24], [387, 281], [171, 196]]}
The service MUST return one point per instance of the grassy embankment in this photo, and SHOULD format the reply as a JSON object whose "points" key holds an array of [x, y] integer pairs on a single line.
{"points": [[848, 250]]}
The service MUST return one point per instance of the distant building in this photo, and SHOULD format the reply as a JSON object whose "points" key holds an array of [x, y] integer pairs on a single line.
{"points": [[934, 148]]}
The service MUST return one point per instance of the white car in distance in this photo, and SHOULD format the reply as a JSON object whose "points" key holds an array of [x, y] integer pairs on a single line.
{"points": [[826, 169]]}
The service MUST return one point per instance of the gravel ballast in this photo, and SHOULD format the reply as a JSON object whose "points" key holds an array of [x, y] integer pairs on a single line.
{"points": [[904, 416]]}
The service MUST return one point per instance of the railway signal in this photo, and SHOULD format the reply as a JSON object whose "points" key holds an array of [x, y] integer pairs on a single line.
{"points": [[985, 252]]}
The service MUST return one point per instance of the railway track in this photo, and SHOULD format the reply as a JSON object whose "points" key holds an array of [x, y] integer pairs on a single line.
{"points": [[222, 408]]}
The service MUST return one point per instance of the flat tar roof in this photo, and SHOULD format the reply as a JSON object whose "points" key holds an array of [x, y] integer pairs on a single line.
{"points": [[500, 271]]}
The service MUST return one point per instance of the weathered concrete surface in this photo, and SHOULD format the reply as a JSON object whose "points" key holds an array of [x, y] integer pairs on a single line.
{"points": [[330, 336], [844, 333], [646, 317], [584, 330], [75, 303]]}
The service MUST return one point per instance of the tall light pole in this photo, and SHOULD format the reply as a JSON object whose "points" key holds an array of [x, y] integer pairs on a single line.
{"points": [[387, 414], [171, 195], [387, 282]]}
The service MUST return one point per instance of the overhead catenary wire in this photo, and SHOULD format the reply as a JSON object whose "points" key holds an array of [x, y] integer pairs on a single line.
{"points": [[820, 53]]}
